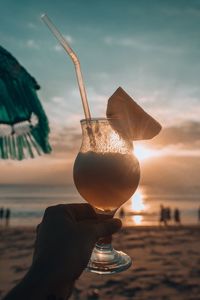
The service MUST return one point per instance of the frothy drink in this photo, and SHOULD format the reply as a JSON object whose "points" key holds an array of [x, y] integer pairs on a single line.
{"points": [[106, 180]]}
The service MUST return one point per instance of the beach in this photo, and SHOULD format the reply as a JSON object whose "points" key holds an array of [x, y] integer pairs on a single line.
{"points": [[166, 264]]}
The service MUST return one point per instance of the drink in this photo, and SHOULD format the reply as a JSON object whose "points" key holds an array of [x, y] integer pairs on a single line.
{"points": [[106, 174], [106, 180]]}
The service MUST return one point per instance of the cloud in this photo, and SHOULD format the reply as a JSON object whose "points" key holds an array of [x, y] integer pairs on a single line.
{"points": [[178, 166], [176, 141], [58, 100], [65, 109], [58, 48], [142, 44], [31, 25], [65, 141], [184, 136], [164, 173], [44, 170], [95, 95], [172, 174], [69, 38], [32, 44]]}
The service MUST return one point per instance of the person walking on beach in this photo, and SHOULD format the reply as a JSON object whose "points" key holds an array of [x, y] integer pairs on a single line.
{"points": [[163, 215], [1, 215], [7, 216], [177, 217], [168, 214]]}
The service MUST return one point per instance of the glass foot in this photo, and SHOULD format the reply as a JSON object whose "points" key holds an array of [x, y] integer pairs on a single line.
{"points": [[106, 260]]}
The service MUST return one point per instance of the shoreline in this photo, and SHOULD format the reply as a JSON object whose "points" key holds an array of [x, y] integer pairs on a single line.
{"points": [[124, 226]]}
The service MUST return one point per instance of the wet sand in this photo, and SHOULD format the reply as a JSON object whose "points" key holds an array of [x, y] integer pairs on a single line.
{"points": [[166, 264]]}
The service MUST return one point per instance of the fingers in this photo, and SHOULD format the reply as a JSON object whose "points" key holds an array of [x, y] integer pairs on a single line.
{"points": [[107, 227], [81, 211], [77, 211]]}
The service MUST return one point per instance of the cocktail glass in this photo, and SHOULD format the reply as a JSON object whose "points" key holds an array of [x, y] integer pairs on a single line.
{"points": [[106, 174]]}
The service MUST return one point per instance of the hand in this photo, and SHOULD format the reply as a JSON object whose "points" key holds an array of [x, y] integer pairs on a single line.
{"points": [[66, 238], [64, 243]]}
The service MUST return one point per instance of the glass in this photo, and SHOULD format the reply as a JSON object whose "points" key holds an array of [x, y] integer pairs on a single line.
{"points": [[106, 174]]}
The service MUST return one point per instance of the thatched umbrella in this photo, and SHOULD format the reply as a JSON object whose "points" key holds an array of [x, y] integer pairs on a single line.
{"points": [[24, 125]]}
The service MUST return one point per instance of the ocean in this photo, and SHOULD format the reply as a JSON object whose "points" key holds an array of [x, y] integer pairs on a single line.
{"points": [[28, 203]]}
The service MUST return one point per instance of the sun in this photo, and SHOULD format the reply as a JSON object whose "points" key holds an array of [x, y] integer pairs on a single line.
{"points": [[143, 153]]}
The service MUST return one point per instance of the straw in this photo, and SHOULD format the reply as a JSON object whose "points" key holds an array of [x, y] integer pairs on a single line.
{"points": [[75, 60]]}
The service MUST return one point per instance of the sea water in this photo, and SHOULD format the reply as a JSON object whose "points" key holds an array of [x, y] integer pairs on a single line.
{"points": [[28, 203]]}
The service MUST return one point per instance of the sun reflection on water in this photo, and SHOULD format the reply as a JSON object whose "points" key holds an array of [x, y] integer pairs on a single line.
{"points": [[137, 202], [137, 219], [136, 210]]}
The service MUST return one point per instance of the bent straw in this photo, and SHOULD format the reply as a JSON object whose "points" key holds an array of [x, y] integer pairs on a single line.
{"points": [[75, 60]]}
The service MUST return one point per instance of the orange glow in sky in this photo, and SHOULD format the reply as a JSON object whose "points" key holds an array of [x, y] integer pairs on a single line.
{"points": [[142, 152]]}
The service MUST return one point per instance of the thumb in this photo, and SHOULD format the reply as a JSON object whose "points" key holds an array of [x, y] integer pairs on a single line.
{"points": [[107, 227]]}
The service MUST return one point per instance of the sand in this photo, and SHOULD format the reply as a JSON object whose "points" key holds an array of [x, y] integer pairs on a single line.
{"points": [[166, 264]]}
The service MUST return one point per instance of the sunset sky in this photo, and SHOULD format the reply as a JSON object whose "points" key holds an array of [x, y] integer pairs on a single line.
{"points": [[150, 48]]}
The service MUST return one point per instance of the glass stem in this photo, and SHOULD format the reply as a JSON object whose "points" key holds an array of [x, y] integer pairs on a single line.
{"points": [[105, 241]]}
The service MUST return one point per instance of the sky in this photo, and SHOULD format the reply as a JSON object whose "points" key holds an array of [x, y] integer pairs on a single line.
{"points": [[149, 48]]}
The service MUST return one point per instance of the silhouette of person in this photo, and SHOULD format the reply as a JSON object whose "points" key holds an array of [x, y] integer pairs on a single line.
{"points": [[64, 243], [177, 217], [163, 219], [168, 214], [1, 214], [7, 216], [121, 213]]}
